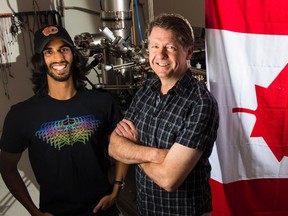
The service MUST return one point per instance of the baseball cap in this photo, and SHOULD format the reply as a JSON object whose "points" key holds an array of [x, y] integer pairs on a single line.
{"points": [[47, 33]]}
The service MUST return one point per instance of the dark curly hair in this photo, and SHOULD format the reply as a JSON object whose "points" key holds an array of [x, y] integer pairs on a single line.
{"points": [[177, 24], [39, 72]]}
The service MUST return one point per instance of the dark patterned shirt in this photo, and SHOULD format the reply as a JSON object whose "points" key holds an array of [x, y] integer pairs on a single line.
{"points": [[188, 115]]}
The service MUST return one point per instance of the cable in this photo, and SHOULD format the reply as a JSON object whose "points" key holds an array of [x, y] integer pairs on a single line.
{"points": [[133, 22], [138, 19], [36, 21], [98, 75]]}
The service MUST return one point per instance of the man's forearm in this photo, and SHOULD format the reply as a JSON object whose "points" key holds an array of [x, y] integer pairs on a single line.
{"points": [[120, 174], [19, 190], [126, 151], [159, 173], [178, 163]]}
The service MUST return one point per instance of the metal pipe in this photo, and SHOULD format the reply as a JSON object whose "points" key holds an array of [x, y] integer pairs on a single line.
{"points": [[151, 10], [83, 9]]}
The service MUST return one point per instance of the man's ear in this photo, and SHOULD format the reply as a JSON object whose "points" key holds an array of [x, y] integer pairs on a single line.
{"points": [[189, 53]]}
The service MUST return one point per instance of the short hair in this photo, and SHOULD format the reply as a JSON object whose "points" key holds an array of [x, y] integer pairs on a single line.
{"points": [[177, 24]]}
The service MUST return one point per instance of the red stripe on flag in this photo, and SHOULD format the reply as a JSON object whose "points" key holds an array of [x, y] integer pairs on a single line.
{"points": [[265, 197], [248, 16]]}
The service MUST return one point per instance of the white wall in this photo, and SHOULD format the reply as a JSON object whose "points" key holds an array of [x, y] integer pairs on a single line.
{"points": [[18, 88], [76, 22]]}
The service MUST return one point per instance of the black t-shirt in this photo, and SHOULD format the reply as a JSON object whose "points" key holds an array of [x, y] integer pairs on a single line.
{"points": [[67, 143]]}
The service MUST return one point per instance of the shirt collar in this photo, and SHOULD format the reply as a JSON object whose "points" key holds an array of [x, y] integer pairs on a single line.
{"points": [[181, 84]]}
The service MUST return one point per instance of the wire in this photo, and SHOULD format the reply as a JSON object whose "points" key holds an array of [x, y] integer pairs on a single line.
{"points": [[9, 5], [101, 6], [138, 19], [98, 75], [133, 22], [36, 21]]}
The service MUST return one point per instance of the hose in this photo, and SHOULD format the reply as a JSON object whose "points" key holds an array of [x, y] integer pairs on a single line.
{"points": [[138, 19]]}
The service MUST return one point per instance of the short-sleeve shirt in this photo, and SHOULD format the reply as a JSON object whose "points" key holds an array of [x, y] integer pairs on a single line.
{"points": [[188, 115], [67, 144]]}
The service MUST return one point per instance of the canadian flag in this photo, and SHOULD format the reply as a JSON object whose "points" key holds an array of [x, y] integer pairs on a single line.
{"points": [[247, 71]]}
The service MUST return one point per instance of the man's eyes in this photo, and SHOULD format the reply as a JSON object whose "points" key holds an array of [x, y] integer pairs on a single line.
{"points": [[168, 47], [153, 47], [47, 52], [63, 50]]}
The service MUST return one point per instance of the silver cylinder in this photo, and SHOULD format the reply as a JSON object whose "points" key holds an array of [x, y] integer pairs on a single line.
{"points": [[117, 16], [116, 5]]}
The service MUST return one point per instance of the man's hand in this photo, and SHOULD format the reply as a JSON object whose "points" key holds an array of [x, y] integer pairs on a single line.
{"points": [[127, 129], [39, 213], [105, 203], [47, 214], [125, 146]]}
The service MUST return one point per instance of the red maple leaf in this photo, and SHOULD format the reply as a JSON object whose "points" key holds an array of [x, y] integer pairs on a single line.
{"points": [[272, 114]]}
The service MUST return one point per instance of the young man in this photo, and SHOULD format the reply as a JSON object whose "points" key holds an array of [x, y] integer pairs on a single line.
{"points": [[66, 129], [170, 127]]}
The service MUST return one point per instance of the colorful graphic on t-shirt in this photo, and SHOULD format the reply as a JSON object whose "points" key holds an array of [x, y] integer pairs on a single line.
{"points": [[68, 131]]}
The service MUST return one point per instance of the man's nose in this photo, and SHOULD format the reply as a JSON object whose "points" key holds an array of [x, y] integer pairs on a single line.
{"points": [[58, 55], [162, 52]]}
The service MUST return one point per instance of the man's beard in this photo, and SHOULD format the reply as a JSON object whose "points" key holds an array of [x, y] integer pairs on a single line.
{"points": [[59, 78]]}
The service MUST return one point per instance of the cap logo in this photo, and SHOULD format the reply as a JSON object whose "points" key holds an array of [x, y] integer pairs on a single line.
{"points": [[50, 30]]}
